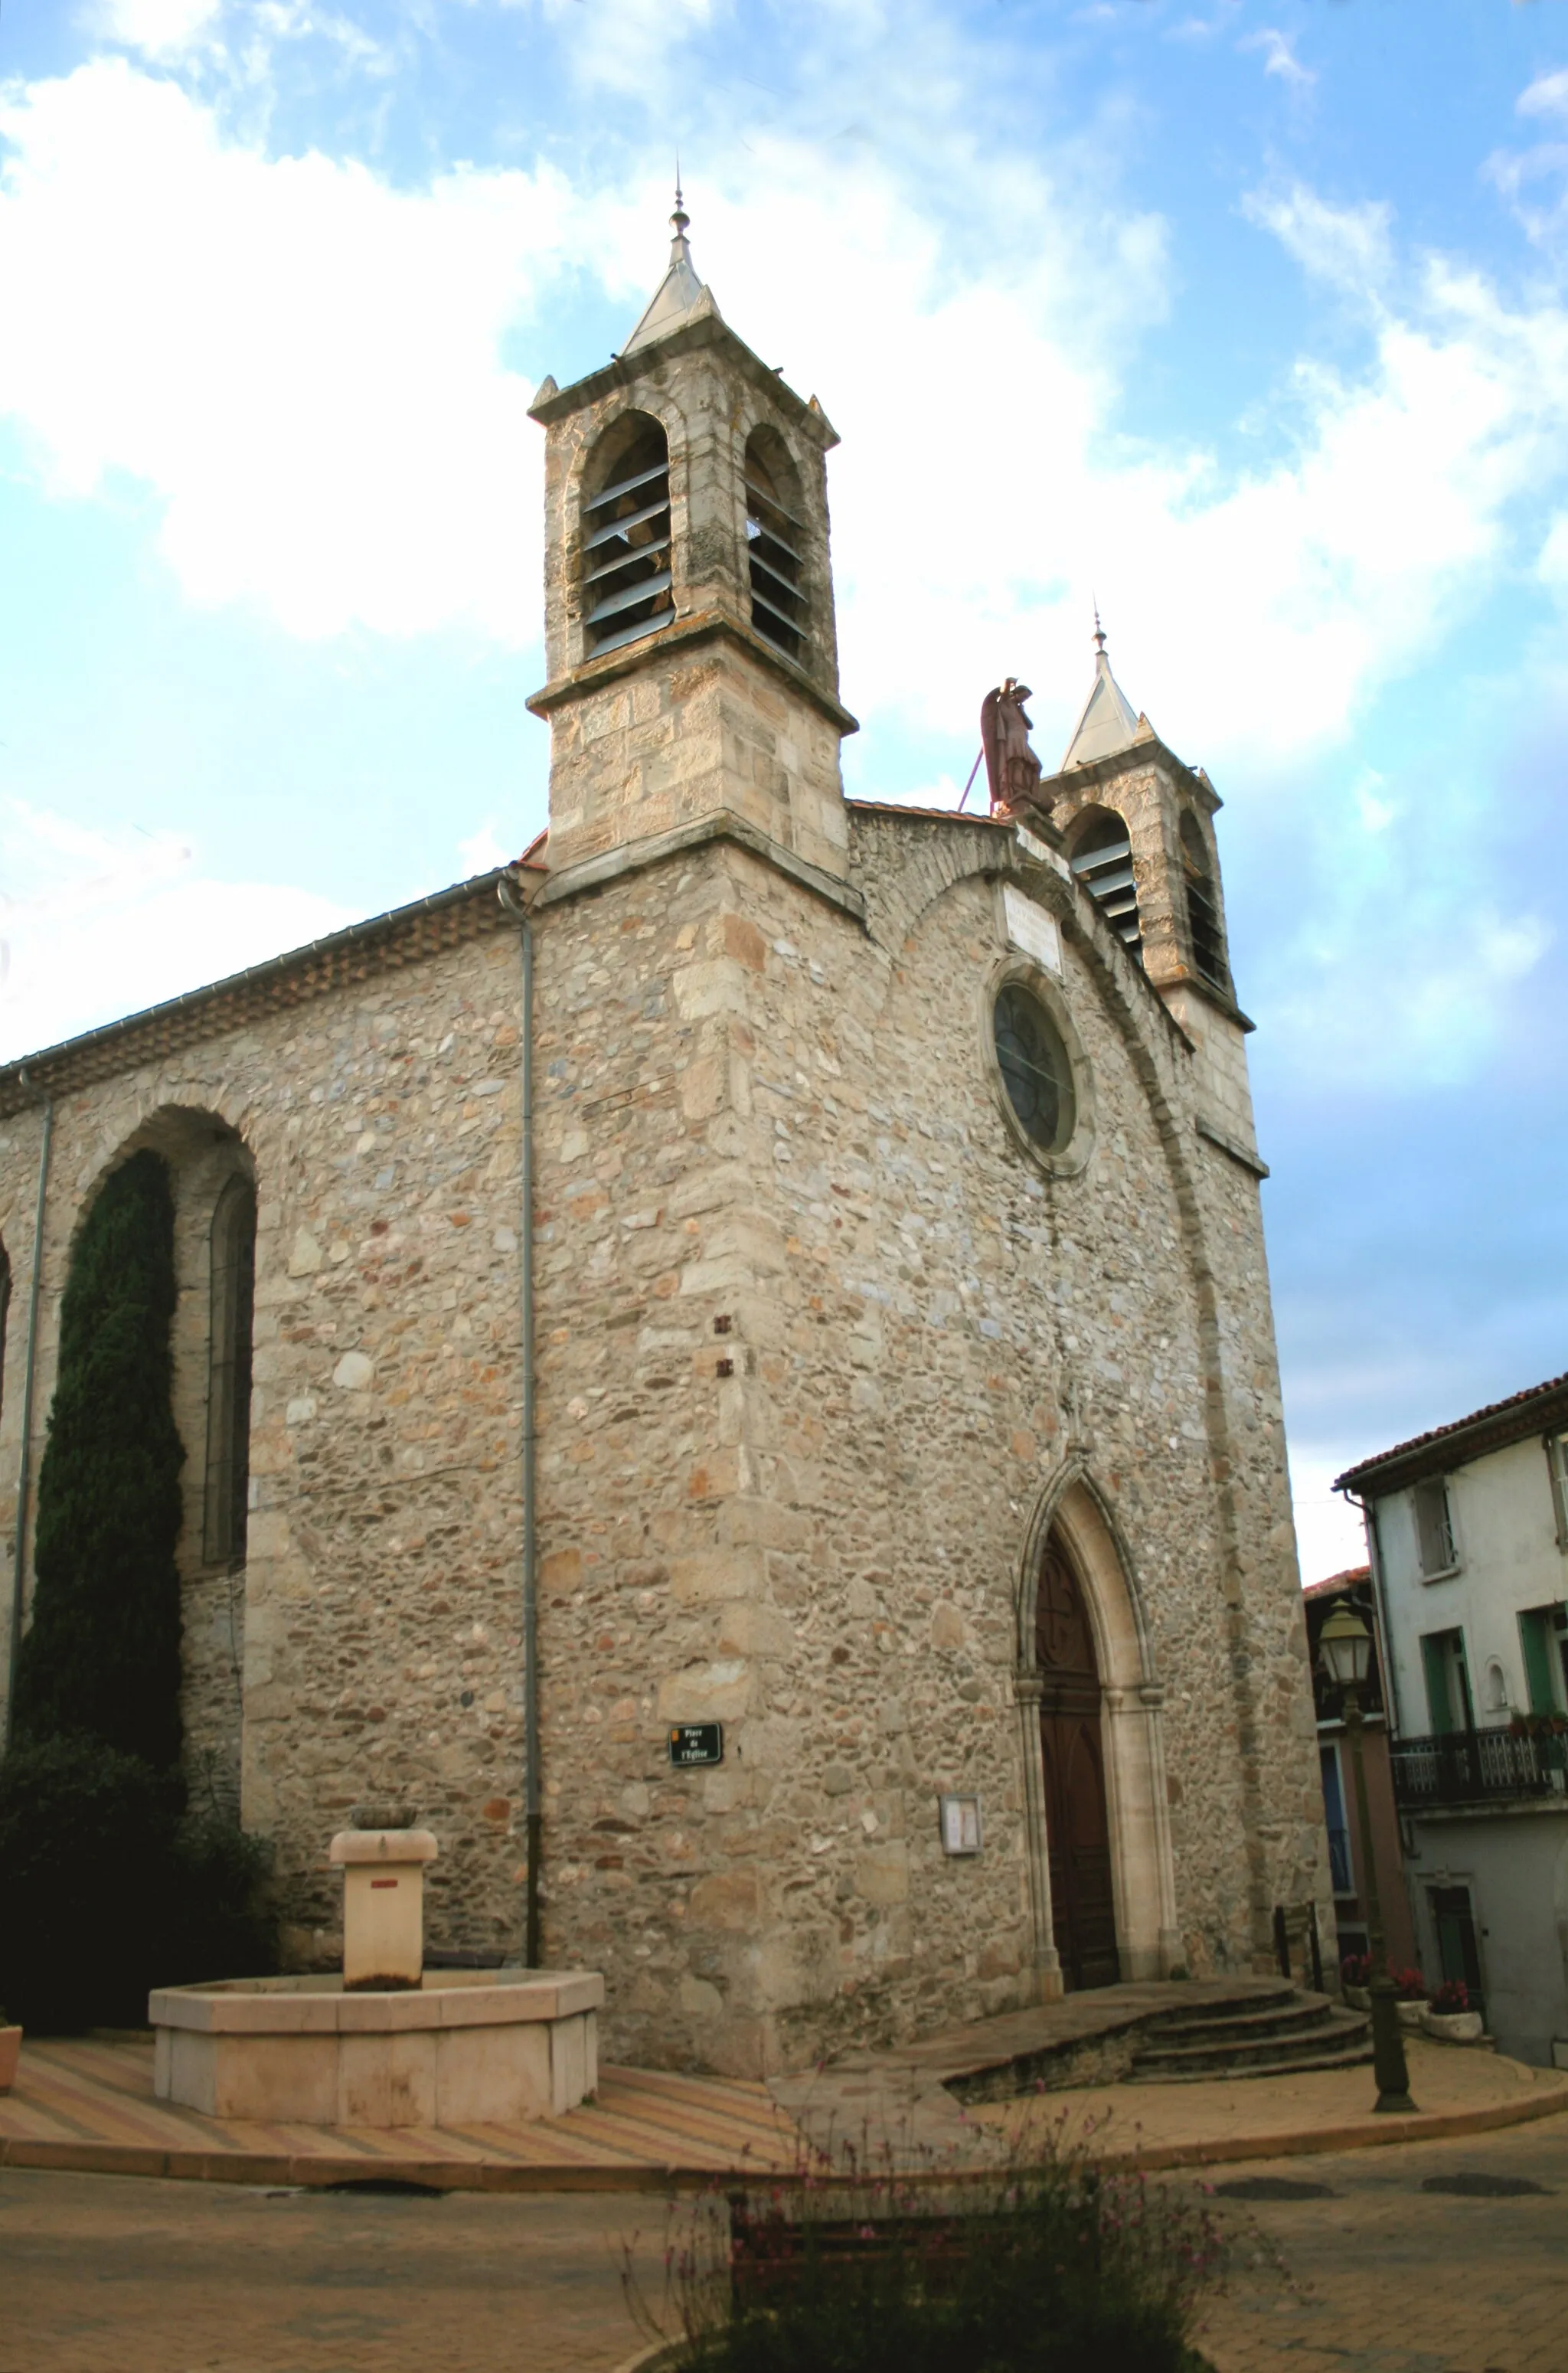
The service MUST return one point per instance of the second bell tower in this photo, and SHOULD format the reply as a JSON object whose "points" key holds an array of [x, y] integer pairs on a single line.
{"points": [[689, 627]]}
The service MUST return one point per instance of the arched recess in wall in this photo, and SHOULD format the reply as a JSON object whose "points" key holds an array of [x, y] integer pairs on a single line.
{"points": [[1101, 856], [627, 568], [231, 1310], [1204, 928], [1093, 1750], [776, 543]]}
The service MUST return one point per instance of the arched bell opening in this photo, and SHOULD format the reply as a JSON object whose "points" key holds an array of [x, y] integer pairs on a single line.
{"points": [[1204, 928], [1102, 860], [1101, 1867], [776, 540], [627, 573]]}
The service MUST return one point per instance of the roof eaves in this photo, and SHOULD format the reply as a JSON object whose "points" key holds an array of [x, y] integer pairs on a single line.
{"points": [[1538, 1409], [122, 1043]]}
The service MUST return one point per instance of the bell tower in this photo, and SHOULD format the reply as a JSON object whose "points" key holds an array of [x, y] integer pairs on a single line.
{"points": [[1138, 826], [689, 595]]}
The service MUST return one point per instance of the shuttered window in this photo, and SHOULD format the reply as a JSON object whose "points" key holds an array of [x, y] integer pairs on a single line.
{"points": [[627, 573], [776, 550], [1434, 1526], [1203, 926], [1102, 859], [1541, 1633]]}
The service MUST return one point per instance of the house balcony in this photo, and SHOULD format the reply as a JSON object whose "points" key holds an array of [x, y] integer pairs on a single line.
{"points": [[1478, 1767]]}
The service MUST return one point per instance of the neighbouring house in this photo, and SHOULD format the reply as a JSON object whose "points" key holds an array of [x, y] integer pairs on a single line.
{"points": [[1337, 1762], [917, 1617], [1468, 1527]]}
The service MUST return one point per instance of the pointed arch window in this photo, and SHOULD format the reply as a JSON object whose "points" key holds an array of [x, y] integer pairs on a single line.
{"points": [[627, 574], [1203, 924], [776, 543], [1102, 859], [228, 1373]]}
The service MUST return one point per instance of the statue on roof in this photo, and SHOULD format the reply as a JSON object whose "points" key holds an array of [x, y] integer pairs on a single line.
{"points": [[1011, 768]]}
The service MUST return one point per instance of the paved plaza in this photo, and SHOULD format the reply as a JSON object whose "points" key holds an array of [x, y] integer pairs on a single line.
{"points": [[1378, 2270]]}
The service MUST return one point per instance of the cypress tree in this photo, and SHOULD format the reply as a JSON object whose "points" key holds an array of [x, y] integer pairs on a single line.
{"points": [[101, 1657]]}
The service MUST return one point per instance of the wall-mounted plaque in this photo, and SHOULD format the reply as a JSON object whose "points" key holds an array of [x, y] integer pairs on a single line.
{"points": [[696, 1742], [961, 1825]]}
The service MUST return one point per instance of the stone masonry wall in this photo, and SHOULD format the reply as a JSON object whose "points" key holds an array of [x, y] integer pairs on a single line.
{"points": [[379, 1614], [752, 1108], [755, 1113]]}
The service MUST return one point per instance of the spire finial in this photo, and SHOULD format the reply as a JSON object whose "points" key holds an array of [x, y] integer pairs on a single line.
{"points": [[680, 220], [1099, 630]]}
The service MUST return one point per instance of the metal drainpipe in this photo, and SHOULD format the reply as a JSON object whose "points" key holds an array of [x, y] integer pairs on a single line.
{"points": [[24, 1468], [510, 893]]}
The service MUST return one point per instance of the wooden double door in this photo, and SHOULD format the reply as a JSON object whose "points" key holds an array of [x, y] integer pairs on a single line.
{"points": [[1077, 1828]]}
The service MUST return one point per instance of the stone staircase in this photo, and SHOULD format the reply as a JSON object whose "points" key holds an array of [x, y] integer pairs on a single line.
{"points": [[1280, 2032]]}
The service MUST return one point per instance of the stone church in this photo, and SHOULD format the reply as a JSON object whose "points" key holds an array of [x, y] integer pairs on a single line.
{"points": [[834, 1572]]}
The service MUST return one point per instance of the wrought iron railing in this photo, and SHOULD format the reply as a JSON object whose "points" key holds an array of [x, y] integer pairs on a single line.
{"points": [[1469, 1767]]}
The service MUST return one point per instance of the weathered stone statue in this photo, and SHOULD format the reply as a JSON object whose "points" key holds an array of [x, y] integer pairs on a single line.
{"points": [[1011, 768]]}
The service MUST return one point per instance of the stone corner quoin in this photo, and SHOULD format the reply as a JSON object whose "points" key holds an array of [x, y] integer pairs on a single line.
{"points": [[832, 1364]]}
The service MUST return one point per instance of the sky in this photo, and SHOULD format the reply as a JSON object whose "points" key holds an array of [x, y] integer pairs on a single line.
{"points": [[1247, 317]]}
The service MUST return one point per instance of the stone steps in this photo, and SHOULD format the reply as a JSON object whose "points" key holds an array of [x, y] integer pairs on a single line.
{"points": [[1287, 2032]]}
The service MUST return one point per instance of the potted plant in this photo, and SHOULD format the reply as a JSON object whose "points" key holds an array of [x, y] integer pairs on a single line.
{"points": [[1356, 1977], [1449, 2015], [10, 2046], [1414, 1993]]}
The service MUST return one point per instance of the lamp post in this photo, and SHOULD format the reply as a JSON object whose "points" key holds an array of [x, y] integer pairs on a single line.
{"points": [[1344, 1648]]}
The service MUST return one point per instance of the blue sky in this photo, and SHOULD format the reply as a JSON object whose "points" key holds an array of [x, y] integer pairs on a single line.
{"points": [[1249, 318]]}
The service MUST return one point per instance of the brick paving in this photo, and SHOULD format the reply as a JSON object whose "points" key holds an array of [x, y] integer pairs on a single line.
{"points": [[105, 2275], [1389, 2278], [116, 2274]]}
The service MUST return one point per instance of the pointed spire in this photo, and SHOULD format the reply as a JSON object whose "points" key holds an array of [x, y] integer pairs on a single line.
{"points": [[679, 296], [1108, 721]]}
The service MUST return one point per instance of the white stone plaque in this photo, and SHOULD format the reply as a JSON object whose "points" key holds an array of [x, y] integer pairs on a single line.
{"points": [[961, 1825], [1031, 931]]}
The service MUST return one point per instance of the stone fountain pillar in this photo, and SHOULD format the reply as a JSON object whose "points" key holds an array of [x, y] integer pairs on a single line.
{"points": [[386, 2043], [383, 1906]]}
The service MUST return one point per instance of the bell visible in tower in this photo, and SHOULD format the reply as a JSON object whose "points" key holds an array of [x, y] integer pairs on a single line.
{"points": [[689, 619]]}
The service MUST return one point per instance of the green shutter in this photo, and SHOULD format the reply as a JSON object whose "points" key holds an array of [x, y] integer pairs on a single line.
{"points": [[1535, 1634], [1434, 1663]]}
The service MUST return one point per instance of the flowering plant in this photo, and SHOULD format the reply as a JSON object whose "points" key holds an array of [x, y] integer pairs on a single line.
{"points": [[1409, 1985], [1452, 1995], [1355, 1969]]}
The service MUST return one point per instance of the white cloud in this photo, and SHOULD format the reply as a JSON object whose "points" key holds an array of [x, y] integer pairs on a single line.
{"points": [[1548, 95], [1330, 1535], [483, 850], [303, 363], [1279, 58], [1351, 248], [96, 924], [161, 28]]}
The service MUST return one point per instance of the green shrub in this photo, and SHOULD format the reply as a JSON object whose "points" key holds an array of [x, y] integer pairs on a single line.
{"points": [[1053, 2268], [101, 1656], [107, 1888], [87, 1835]]}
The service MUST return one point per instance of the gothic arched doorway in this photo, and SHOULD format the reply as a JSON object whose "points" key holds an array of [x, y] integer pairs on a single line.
{"points": [[1077, 1827]]}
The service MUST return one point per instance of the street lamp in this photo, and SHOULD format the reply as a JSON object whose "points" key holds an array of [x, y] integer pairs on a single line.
{"points": [[1344, 1650]]}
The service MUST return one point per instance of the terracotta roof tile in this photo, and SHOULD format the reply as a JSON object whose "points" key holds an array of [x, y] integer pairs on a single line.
{"points": [[1516, 1404]]}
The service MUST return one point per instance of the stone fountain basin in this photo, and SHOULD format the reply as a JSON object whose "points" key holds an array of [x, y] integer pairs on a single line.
{"points": [[494, 2047]]}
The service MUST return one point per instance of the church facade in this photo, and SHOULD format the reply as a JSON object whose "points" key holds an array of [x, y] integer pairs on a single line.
{"points": [[902, 1437]]}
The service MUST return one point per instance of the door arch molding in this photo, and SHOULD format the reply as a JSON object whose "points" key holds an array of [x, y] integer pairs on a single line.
{"points": [[1073, 1511]]}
